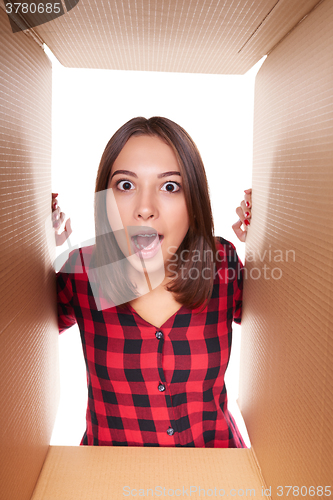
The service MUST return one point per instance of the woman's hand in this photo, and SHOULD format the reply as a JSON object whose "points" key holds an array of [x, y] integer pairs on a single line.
{"points": [[244, 214], [58, 218]]}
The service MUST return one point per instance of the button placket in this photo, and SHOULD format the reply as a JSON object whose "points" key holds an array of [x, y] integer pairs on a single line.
{"points": [[161, 386], [159, 335]]}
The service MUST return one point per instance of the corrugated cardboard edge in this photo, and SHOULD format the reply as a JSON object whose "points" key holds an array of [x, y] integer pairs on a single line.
{"points": [[210, 38], [257, 465], [294, 27]]}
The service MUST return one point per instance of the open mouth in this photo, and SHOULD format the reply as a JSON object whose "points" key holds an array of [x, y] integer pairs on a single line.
{"points": [[145, 242]]}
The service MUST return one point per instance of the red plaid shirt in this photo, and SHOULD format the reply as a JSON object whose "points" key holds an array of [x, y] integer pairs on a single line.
{"points": [[151, 386]]}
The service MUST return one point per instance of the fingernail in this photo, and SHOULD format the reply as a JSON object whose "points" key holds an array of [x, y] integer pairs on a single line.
{"points": [[246, 222], [247, 214], [247, 203]]}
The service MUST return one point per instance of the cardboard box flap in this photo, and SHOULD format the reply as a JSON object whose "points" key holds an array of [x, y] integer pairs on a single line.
{"points": [[287, 343], [179, 36], [104, 472]]}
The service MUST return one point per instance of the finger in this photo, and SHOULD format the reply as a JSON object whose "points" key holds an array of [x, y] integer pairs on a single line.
{"points": [[237, 227], [62, 237], [68, 227], [240, 213], [248, 198], [58, 223], [54, 200], [62, 217], [54, 204], [56, 214], [246, 210]]}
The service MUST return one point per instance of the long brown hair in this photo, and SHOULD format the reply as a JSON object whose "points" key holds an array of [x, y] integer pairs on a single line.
{"points": [[192, 289]]}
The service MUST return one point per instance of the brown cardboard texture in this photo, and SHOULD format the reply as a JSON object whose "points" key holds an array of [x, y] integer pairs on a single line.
{"points": [[287, 348]]}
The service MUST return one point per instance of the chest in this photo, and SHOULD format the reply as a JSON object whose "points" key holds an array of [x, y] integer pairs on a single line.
{"points": [[121, 344], [157, 310]]}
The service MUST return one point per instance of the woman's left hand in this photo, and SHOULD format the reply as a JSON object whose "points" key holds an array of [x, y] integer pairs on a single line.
{"points": [[58, 218], [244, 214]]}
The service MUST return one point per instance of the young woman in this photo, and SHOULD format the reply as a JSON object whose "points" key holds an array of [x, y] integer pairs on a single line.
{"points": [[155, 297]]}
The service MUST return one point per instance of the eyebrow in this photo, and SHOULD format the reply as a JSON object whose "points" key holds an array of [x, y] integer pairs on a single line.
{"points": [[132, 174]]}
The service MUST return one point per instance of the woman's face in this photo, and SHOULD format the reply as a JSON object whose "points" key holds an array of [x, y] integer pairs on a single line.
{"points": [[145, 197]]}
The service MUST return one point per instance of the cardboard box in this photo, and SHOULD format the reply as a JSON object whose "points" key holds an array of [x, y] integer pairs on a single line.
{"points": [[286, 390]]}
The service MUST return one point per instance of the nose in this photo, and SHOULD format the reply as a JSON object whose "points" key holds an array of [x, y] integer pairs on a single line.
{"points": [[146, 206]]}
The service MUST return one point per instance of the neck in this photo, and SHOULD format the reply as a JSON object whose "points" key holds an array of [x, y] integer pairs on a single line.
{"points": [[147, 282]]}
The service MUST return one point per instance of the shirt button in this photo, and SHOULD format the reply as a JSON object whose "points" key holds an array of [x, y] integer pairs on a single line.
{"points": [[170, 431], [159, 335], [161, 387]]}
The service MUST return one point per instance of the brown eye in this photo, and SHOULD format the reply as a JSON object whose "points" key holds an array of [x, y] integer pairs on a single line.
{"points": [[124, 185], [171, 187]]}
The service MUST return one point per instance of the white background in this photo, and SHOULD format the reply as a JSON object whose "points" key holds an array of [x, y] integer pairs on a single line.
{"points": [[88, 107]]}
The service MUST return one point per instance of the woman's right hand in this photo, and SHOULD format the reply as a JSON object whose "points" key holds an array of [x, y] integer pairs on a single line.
{"points": [[58, 218], [244, 212]]}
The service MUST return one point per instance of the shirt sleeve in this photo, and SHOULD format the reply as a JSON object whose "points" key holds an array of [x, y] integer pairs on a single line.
{"points": [[66, 314], [238, 289], [232, 274]]}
